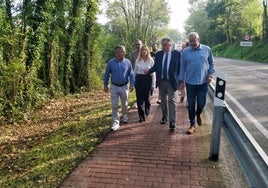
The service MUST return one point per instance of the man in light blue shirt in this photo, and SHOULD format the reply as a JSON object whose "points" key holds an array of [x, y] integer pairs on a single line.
{"points": [[197, 68], [120, 70]]}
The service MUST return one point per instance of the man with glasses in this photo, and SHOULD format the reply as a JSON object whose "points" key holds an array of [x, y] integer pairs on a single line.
{"points": [[133, 58], [167, 68], [153, 53], [135, 54]]}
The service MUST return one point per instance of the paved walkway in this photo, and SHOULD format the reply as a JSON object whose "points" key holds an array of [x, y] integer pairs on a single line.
{"points": [[149, 155]]}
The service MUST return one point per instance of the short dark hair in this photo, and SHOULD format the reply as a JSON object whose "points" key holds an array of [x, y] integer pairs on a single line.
{"points": [[166, 39], [119, 47]]}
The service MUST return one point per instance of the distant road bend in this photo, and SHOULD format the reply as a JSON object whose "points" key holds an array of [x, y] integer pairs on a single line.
{"points": [[247, 95]]}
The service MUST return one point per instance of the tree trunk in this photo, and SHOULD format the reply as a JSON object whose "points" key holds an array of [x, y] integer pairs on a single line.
{"points": [[265, 20], [8, 48]]}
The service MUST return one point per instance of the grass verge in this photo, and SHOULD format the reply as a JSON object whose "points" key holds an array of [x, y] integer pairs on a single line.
{"points": [[257, 52], [46, 149]]}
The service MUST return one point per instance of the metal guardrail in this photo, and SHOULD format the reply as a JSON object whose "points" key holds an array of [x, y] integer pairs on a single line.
{"points": [[251, 157]]}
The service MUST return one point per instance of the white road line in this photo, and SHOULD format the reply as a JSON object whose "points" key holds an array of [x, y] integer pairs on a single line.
{"points": [[255, 144], [258, 125]]}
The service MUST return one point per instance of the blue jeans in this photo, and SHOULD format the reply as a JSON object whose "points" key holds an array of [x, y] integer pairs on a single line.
{"points": [[196, 96]]}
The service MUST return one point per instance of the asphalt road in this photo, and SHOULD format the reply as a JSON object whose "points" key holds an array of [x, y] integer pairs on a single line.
{"points": [[247, 94]]}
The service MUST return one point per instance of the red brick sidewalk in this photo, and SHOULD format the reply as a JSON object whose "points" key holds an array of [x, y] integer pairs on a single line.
{"points": [[149, 155]]}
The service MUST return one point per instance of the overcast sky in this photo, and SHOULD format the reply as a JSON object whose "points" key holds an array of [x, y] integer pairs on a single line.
{"points": [[179, 13]]}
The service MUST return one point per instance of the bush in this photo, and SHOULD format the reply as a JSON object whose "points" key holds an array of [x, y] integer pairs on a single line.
{"points": [[257, 52], [19, 92]]}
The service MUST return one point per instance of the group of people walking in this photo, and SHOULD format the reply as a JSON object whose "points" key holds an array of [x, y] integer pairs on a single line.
{"points": [[169, 70]]}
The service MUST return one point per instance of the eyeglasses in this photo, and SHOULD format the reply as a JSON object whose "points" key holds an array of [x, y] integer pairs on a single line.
{"points": [[165, 44]]}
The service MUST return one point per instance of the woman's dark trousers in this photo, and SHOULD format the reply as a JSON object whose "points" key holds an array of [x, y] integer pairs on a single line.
{"points": [[143, 86]]}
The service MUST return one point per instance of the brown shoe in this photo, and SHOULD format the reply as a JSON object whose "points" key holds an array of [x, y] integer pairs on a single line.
{"points": [[182, 99], [191, 130], [199, 120]]}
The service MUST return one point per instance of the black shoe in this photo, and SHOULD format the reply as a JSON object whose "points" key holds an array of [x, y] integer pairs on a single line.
{"points": [[141, 120], [172, 125], [163, 120]]}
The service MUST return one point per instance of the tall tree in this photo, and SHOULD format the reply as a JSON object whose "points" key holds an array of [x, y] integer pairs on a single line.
{"points": [[265, 20], [46, 46], [198, 20], [7, 44], [175, 35], [225, 20], [137, 19]]}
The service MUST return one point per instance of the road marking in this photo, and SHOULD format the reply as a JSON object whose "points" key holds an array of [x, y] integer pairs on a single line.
{"points": [[258, 125], [255, 144]]}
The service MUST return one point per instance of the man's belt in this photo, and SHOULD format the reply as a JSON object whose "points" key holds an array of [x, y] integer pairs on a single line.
{"points": [[119, 85]]}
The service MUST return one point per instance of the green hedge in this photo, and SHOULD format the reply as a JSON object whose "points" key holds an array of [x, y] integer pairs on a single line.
{"points": [[257, 52]]}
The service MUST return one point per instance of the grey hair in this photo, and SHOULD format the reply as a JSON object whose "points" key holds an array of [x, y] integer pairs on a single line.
{"points": [[194, 35], [166, 39]]}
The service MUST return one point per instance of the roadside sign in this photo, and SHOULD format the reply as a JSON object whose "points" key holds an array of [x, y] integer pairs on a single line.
{"points": [[220, 89], [217, 117], [153, 38], [246, 37], [246, 43]]}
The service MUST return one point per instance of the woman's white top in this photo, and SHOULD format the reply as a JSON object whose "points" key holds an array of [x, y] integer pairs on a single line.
{"points": [[141, 66]]}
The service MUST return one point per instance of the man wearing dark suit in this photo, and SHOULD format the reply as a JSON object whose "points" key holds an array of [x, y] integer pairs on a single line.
{"points": [[167, 68]]}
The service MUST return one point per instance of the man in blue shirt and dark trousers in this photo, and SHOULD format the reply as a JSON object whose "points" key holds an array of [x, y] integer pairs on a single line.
{"points": [[197, 67], [121, 72]]}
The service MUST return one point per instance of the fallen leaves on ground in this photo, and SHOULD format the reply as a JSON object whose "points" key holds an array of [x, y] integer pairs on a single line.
{"points": [[68, 128]]}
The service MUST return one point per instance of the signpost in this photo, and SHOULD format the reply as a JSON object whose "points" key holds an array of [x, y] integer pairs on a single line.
{"points": [[153, 39], [217, 117], [246, 37], [245, 43]]}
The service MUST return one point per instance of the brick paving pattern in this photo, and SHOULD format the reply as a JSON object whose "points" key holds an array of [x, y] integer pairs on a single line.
{"points": [[149, 155]]}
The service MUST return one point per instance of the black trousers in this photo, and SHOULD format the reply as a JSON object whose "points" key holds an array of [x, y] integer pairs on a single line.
{"points": [[143, 86]]}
